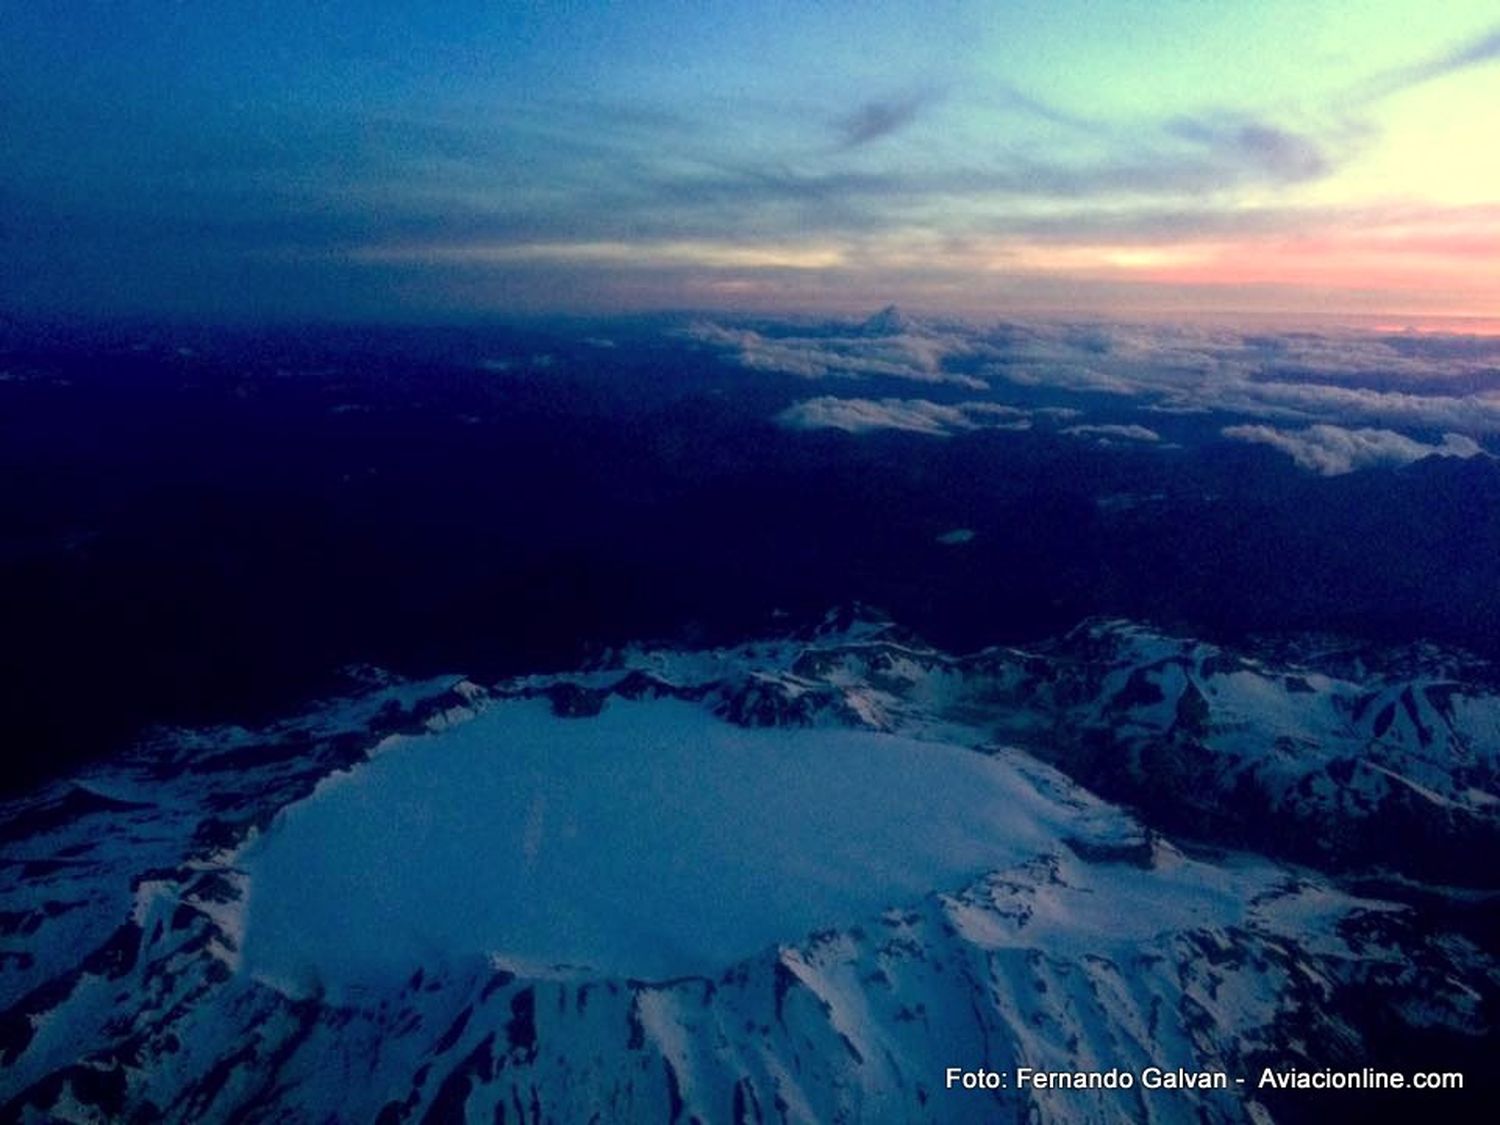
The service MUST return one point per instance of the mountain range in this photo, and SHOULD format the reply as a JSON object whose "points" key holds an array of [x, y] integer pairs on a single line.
{"points": [[1115, 850]]}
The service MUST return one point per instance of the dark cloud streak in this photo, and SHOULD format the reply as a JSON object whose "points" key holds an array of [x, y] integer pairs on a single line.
{"points": [[877, 119], [1476, 52]]}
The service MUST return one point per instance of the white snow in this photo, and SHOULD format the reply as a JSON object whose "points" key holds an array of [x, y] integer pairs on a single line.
{"points": [[652, 841]]}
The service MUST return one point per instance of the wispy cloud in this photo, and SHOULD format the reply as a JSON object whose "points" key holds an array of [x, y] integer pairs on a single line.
{"points": [[913, 415], [861, 415], [710, 254]]}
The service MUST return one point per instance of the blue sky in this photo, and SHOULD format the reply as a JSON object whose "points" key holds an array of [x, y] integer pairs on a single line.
{"points": [[404, 161]]}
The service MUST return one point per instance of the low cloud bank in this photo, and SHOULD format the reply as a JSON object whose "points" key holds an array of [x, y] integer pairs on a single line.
{"points": [[1334, 378], [1334, 450], [894, 348], [1112, 432]]}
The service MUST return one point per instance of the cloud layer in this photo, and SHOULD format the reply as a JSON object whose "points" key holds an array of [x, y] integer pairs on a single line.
{"points": [[524, 158], [1447, 383], [1335, 402]]}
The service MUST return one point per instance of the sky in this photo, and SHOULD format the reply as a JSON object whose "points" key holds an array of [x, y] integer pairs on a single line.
{"points": [[1321, 159]]}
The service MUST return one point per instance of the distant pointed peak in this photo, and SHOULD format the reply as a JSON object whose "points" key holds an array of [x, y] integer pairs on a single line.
{"points": [[889, 321]]}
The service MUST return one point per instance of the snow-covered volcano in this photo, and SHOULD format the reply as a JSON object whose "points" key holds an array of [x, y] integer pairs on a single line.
{"points": [[795, 880]]}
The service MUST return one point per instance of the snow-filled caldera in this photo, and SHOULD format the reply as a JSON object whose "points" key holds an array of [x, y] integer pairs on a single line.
{"points": [[650, 841]]}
